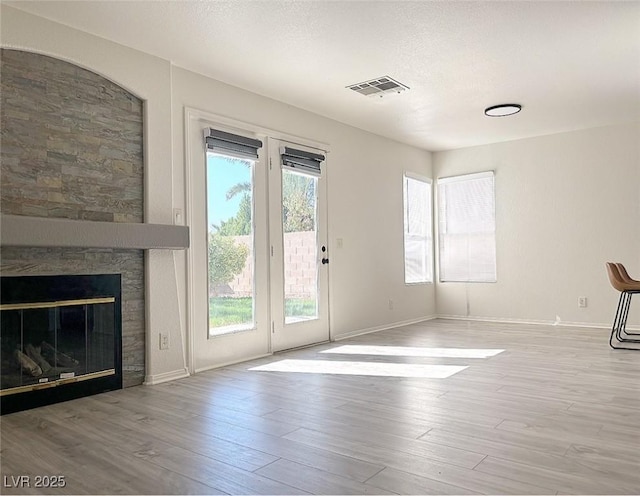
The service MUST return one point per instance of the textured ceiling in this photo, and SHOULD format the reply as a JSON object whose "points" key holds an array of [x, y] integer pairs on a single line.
{"points": [[572, 65]]}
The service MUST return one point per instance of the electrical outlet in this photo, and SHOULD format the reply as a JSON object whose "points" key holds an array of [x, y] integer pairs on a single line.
{"points": [[582, 302], [164, 341], [390, 304]]}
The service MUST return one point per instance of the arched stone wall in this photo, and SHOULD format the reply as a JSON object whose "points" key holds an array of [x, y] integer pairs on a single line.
{"points": [[72, 147]]}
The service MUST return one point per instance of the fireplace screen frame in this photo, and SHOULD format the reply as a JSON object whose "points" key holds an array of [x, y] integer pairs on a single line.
{"points": [[54, 292]]}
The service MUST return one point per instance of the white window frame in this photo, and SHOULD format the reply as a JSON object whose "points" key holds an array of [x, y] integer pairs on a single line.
{"points": [[428, 237], [473, 274]]}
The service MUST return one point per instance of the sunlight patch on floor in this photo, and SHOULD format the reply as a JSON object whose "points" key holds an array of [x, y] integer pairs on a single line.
{"points": [[411, 351], [362, 368]]}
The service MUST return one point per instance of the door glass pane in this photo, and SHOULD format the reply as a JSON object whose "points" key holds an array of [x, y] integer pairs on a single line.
{"points": [[231, 244], [299, 223]]}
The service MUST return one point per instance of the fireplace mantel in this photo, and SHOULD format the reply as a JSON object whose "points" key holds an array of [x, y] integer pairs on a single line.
{"points": [[21, 230]]}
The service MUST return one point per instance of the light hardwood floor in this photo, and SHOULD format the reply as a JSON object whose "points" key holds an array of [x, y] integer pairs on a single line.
{"points": [[557, 412]]}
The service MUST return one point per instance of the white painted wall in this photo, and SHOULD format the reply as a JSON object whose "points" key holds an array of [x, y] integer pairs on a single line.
{"points": [[365, 186], [565, 204], [364, 197]]}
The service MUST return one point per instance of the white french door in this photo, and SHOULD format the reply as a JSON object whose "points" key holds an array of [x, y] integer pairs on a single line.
{"points": [[229, 255], [299, 249], [257, 281]]}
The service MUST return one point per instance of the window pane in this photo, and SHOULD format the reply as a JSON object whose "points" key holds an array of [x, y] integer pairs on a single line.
{"points": [[417, 231], [466, 213], [299, 225], [231, 248]]}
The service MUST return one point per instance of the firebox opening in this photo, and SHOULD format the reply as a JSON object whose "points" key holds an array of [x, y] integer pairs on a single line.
{"points": [[60, 338]]}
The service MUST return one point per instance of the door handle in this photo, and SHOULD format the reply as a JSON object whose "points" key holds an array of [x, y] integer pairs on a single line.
{"points": [[325, 261]]}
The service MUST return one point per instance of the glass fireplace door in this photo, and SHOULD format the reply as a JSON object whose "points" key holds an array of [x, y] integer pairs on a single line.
{"points": [[51, 343]]}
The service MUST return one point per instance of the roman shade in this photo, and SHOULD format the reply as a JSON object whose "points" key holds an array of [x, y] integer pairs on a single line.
{"points": [[301, 160], [232, 144]]}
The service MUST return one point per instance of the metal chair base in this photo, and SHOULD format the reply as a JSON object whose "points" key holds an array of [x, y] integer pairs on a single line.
{"points": [[618, 330]]}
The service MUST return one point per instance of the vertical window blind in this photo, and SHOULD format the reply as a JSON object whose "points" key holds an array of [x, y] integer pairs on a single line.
{"points": [[418, 253], [467, 227]]}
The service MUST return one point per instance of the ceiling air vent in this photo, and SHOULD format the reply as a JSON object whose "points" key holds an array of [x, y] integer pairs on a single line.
{"points": [[378, 87]]}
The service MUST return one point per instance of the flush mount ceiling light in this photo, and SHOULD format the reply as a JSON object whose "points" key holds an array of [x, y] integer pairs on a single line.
{"points": [[502, 110]]}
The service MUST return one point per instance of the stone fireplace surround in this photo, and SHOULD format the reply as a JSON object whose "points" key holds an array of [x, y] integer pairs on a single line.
{"points": [[72, 148]]}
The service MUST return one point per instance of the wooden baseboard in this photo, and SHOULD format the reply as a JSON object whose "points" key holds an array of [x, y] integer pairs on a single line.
{"points": [[392, 325], [151, 380], [500, 320]]}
